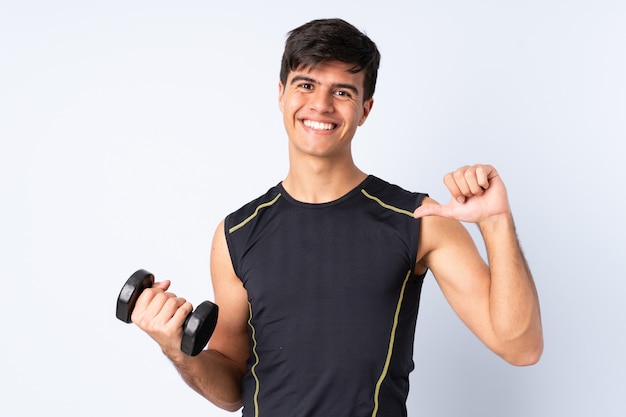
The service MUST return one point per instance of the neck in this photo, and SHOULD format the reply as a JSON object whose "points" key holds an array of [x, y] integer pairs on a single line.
{"points": [[322, 181]]}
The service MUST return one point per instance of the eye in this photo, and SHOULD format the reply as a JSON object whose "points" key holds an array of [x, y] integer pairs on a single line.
{"points": [[343, 93], [306, 86]]}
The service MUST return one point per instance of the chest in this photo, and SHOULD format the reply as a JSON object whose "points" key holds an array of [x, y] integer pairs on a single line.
{"points": [[316, 256]]}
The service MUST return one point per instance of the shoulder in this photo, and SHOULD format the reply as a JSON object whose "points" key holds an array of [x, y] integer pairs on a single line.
{"points": [[392, 195], [249, 210], [442, 239]]}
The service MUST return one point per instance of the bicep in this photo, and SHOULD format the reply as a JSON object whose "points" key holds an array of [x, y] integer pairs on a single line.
{"points": [[230, 337], [449, 251]]}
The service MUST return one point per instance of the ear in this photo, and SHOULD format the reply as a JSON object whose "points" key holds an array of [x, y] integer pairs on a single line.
{"points": [[367, 108], [281, 92]]}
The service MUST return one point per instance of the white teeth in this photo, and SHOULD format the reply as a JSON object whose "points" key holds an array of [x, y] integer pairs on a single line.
{"points": [[318, 125]]}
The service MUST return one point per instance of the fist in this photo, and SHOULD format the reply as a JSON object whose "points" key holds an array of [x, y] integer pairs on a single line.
{"points": [[478, 193], [161, 315]]}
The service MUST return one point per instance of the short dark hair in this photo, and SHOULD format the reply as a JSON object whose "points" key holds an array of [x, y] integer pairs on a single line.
{"points": [[331, 40]]}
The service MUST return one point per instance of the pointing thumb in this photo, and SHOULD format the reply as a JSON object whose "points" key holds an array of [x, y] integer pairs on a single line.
{"points": [[427, 210]]}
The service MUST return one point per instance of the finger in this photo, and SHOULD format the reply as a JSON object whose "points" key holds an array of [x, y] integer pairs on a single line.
{"points": [[163, 285], [475, 177], [159, 300], [145, 299], [143, 304], [159, 312], [182, 312], [152, 301], [433, 209], [455, 182], [483, 174], [170, 309]]}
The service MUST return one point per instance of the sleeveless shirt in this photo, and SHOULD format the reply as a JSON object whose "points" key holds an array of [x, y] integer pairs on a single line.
{"points": [[333, 301]]}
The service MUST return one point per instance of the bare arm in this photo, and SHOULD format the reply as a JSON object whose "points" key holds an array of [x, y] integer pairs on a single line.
{"points": [[215, 373], [498, 301]]}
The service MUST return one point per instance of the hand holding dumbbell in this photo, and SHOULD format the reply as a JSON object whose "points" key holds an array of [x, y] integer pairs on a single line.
{"points": [[198, 326]]}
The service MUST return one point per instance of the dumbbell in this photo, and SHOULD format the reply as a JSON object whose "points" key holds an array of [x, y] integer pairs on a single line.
{"points": [[198, 326]]}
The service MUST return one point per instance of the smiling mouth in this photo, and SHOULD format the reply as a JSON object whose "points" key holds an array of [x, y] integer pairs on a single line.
{"points": [[319, 125]]}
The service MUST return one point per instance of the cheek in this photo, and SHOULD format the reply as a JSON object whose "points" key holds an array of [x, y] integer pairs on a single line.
{"points": [[291, 107]]}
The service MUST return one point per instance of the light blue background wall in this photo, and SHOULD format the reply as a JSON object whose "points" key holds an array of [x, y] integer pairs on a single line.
{"points": [[128, 129]]}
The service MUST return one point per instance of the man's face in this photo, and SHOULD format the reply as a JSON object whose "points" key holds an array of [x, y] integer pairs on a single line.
{"points": [[322, 108]]}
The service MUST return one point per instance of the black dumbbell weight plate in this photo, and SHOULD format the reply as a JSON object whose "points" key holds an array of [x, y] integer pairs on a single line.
{"points": [[198, 328], [137, 282]]}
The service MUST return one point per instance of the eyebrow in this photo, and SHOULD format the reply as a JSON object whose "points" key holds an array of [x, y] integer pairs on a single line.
{"points": [[299, 78]]}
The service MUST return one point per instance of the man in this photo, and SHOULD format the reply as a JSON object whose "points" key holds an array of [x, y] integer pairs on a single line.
{"points": [[318, 280]]}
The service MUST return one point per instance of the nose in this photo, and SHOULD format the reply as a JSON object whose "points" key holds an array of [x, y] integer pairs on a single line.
{"points": [[322, 101]]}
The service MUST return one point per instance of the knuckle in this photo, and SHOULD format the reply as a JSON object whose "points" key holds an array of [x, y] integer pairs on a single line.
{"points": [[145, 297], [459, 174], [161, 297], [143, 321], [174, 302], [187, 306]]}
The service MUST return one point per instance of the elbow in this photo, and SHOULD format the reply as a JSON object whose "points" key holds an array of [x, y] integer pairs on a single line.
{"points": [[527, 356], [527, 359], [230, 407], [523, 348]]}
